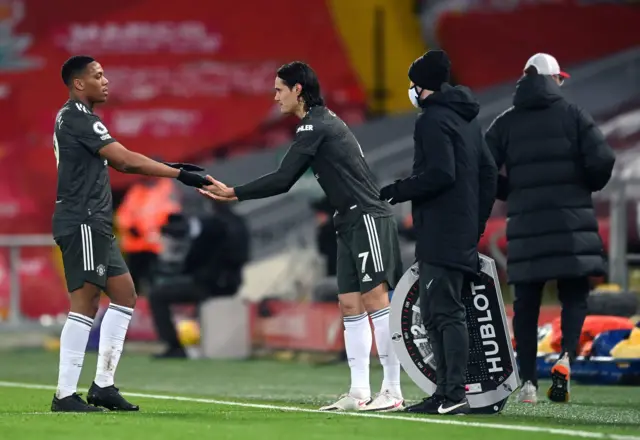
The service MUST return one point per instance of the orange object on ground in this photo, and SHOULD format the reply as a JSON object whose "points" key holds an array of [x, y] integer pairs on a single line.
{"points": [[593, 326]]}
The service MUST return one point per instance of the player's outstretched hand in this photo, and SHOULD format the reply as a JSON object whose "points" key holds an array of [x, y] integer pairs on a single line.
{"points": [[184, 166], [218, 191], [192, 179]]}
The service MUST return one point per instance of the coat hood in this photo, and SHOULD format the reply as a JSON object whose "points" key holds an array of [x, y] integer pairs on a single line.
{"points": [[458, 98]]}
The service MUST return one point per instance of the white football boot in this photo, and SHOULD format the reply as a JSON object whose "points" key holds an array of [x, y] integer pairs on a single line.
{"points": [[385, 402], [347, 402], [528, 393]]}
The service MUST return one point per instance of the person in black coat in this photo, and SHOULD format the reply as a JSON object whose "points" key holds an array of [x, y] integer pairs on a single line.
{"points": [[452, 189], [554, 157], [194, 269]]}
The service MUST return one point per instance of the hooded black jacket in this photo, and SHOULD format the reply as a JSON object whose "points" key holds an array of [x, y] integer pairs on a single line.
{"points": [[453, 183], [554, 157]]}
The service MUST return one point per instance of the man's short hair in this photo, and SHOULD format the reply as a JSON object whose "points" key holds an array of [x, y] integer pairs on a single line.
{"points": [[74, 67], [301, 73]]}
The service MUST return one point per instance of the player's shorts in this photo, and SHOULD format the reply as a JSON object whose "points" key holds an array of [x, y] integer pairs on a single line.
{"points": [[90, 256], [369, 254]]}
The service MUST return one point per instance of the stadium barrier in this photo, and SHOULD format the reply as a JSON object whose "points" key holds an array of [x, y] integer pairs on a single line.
{"points": [[619, 191], [14, 244]]}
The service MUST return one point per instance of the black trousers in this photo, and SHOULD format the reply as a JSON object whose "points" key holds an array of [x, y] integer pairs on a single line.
{"points": [[572, 294], [444, 318], [166, 294]]}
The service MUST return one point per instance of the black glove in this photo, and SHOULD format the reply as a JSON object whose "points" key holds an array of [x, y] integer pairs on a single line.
{"points": [[387, 194], [184, 166], [193, 179]]}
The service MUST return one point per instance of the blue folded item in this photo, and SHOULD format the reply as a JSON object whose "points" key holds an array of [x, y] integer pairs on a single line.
{"points": [[599, 370], [605, 341]]}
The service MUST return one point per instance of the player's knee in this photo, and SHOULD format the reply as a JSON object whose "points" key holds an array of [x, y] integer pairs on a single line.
{"points": [[351, 310], [87, 309], [128, 300], [85, 300], [351, 304], [377, 298], [122, 291], [131, 301]]}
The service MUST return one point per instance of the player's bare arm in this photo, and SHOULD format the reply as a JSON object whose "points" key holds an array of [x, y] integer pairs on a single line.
{"points": [[127, 161]]}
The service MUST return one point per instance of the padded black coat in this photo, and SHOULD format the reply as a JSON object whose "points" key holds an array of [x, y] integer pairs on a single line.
{"points": [[555, 157], [453, 184]]}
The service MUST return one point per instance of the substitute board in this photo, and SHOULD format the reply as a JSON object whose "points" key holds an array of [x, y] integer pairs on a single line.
{"points": [[491, 375]]}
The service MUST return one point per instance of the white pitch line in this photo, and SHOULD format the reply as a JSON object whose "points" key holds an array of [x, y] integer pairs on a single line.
{"points": [[443, 421], [50, 413]]}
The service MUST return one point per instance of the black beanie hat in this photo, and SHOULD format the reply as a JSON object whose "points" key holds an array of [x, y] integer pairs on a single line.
{"points": [[431, 70]]}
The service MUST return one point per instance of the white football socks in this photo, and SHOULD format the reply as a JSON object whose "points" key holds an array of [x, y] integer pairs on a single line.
{"points": [[388, 358], [358, 340], [113, 330], [73, 345]]}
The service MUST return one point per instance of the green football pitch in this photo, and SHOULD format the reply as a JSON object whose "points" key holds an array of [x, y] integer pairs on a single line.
{"points": [[278, 400]]}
